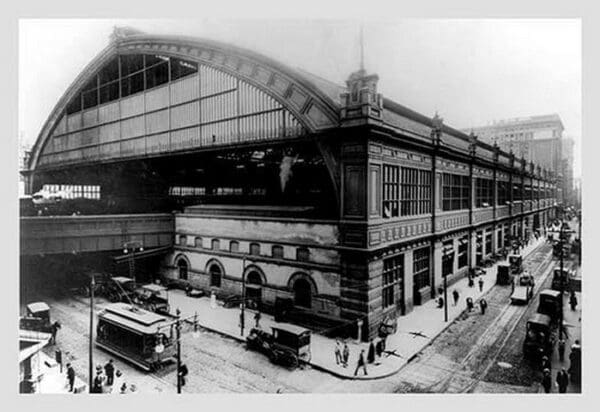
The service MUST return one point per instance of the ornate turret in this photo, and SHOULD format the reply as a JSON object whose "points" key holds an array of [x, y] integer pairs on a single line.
{"points": [[361, 103]]}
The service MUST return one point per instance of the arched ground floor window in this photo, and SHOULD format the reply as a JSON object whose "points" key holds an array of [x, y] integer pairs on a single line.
{"points": [[182, 266]]}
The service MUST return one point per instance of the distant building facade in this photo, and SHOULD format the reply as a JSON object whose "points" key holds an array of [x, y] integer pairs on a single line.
{"points": [[537, 139]]}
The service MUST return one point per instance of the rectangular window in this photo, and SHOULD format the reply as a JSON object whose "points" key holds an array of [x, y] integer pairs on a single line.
{"points": [[447, 257], [421, 268], [391, 191], [234, 246], [215, 244], [488, 242], [132, 84], [502, 193], [517, 192], [254, 249], [456, 191], [277, 252], [393, 274], [109, 92], [484, 192], [90, 99], [131, 63], [463, 251], [302, 254]]}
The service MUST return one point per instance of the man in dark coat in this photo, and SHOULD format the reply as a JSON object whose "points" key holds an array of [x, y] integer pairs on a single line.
{"points": [[361, 363], [97, 388], [257, 317], [70, 376], [573, 301], [561, 349], [562, 380], [55, 327], [469, 304], [546, 364], [455, 295], [547, 381], [483, 305], [481, 284], [371, 355], [345, 354], [109, 369]]}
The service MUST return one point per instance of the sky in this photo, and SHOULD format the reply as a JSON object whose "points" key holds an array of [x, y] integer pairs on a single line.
{"points": [[471, 71]]}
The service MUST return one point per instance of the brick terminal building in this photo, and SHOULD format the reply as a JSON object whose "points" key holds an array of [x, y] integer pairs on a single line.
{"points": [[348, 204]]}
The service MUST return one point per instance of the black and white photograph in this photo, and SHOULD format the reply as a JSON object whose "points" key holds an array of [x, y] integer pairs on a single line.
{"points": [[284, 206]]}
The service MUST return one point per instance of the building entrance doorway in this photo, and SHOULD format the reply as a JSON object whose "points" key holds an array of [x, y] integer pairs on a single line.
{"points": [[302, 293], [254, 289]]}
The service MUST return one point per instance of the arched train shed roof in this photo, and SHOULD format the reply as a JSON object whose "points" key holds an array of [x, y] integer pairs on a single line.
{"points": [[312, 106]]}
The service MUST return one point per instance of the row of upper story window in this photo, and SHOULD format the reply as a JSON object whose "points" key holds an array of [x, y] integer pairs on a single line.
{"points": [[125, 75], [72, 191], [254, 248], [407, 191]]}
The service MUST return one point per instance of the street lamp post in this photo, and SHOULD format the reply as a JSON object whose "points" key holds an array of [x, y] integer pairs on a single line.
{"points": [[91, 340], [243, 304], [159, 348]]}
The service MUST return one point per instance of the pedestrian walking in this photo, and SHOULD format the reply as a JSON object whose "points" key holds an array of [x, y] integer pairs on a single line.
{"points": [[54, 330], [257, 317], [379, 348], [183, 372], [346, 354], [338, 353], [70, 376], [440, 302], [561, 349], [109, 369], [483, 305], [440, 291], [547, 381], [546, 364], [361, 363], [481, 284], [469, 304], [371, 354], [562, 380], [455, 296], [573, 301], [123, 389], [98, 381]]}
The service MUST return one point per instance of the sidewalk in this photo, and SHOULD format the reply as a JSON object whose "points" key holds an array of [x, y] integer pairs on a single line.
{"points": [[54, 381], [427, 320]]}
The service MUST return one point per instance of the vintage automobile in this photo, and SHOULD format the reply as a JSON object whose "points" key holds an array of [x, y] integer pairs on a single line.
{"points": [[516, 263], [141, 337], [550, 304], [561, 281], [539, 337], [234, 301], [154, 298], [37, 318], [523, 289], [121, 289], [287, 344], [503, 275]]}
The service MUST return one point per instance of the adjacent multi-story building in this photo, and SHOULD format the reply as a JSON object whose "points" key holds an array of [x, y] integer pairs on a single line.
{"points": [[537, 139]]}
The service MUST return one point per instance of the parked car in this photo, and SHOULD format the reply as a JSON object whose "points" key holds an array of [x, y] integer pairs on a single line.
{"points": [[523, 289], [539, 337], [287, 344], [121, 289]]}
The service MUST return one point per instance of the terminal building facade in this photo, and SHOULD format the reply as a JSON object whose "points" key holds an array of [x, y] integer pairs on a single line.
{"points": [[350, 205]]}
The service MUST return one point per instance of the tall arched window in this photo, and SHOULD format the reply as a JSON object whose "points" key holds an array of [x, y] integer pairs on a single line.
{"points": [[215, 275], [183, 269]]}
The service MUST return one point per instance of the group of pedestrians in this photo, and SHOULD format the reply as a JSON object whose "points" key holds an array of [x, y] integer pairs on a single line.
{"points": [[563, 377], [108, 379], [375, 351]]}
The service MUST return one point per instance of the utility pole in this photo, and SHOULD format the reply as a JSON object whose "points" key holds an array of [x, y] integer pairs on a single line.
{"points": [[178, 330], [445, 298], [243, 304], [91, 342]]}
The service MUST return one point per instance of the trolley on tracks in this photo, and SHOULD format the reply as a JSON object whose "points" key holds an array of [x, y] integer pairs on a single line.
{"points": [[136, 335]]}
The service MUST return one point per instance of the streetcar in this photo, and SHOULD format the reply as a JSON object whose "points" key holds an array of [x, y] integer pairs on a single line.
{"points": [[144, 338]]}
